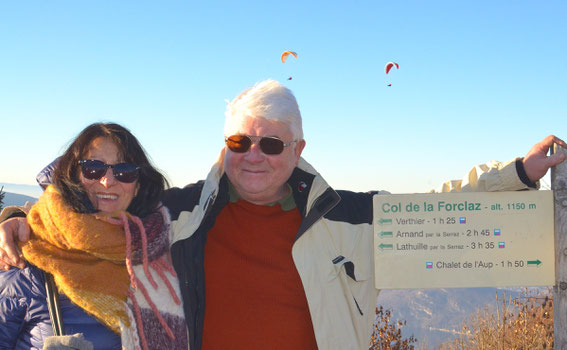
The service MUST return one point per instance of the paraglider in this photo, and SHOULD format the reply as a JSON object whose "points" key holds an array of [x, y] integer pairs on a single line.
{"points": [[389, 66], [287, 53], [284, 57]]}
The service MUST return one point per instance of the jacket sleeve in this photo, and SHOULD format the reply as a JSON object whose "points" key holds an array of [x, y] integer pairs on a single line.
{"points": [[14, 211], [490, 177]]}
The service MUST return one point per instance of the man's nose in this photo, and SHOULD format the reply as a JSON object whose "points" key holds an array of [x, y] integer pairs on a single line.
{"points": [[255, 153]]}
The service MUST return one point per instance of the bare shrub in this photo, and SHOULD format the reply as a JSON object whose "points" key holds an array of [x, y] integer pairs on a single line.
{"points": [[387, 334], [522, 323]]}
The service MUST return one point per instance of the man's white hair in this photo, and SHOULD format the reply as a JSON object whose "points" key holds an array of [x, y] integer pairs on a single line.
{"points": [[267, 99]]}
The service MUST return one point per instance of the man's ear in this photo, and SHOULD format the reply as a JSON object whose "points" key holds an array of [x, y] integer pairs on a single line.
{"points": [[298, 150]]}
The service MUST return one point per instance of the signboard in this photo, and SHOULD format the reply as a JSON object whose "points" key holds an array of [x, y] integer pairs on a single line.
{"points": [[480, 239]]}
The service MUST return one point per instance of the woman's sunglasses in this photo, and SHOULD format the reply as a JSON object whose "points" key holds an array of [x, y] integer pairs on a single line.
{"points": [[95, 170], [268, 145]]}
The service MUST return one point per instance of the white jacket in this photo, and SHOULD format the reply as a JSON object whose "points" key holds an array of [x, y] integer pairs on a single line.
{"points": [[333, 251]]}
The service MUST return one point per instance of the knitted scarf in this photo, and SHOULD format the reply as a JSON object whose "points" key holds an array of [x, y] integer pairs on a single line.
{"points": [[102, 262]]}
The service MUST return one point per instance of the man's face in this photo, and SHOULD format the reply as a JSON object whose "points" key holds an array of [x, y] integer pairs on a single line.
{"points": [[257, 177]]}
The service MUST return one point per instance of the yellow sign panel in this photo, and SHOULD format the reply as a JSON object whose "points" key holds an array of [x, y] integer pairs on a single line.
{"points": [[481, 239]]}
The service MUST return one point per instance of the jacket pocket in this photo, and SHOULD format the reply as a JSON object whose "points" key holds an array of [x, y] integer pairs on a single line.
{"points": [[352, 277]]}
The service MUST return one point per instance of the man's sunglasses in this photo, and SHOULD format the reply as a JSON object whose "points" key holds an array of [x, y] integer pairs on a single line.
{"points": [[268, 144], [95, 170]]}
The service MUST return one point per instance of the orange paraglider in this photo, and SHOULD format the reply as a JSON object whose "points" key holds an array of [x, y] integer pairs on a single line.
{"points": [[287, 53]]}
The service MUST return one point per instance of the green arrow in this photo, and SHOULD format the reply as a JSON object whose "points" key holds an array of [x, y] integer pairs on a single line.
{"points": [[534, 262], [383, 246], [385, 221], [386, 233]]}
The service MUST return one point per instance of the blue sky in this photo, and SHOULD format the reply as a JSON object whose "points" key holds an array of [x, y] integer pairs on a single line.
{"points": [[478, 80]]}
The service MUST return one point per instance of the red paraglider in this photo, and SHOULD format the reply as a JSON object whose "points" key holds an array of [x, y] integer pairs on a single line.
{"points": [[389, 66]]}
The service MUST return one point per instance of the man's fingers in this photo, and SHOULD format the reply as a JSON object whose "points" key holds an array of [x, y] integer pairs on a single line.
{"points": [[555, 159], [12, 255], [550, 140], [6, 262], [560, 142], [11, 229], [3, 259], [23, 231]]}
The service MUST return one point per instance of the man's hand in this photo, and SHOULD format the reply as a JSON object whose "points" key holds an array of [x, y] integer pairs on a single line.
{"points": [[11, 231], [537, 163]]}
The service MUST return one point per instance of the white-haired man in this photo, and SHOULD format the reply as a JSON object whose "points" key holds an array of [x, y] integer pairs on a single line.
{"points": [[279, 259], [268, 255]]}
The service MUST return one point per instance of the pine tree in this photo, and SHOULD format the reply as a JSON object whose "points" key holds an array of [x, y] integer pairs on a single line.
{"points": [[2, 193]]}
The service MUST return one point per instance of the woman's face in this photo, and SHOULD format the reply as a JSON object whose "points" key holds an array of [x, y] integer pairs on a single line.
{"points": [[107, 194]]}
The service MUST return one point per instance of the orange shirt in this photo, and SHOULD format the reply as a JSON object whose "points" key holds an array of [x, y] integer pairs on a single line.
{"points": [[254, 298]]}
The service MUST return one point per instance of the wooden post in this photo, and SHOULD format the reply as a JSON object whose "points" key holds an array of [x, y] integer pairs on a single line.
{"points": [[559, 187]]}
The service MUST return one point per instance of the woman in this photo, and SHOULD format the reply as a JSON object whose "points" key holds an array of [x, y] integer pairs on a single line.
{"points": [[113, 269]]}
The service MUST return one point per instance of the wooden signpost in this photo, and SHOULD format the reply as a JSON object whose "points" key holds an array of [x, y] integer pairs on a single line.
{"points": [[559, 187]]}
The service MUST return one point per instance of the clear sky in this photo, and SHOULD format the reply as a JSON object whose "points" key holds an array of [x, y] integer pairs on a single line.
{"points": [[478, 80]]}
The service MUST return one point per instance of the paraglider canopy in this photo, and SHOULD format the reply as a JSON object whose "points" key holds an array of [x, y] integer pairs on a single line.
{"points": [[287, 53], [389, 66]]}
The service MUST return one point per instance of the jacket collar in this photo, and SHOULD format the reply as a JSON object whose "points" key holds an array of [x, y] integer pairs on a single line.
{"points": [[313, 196]]}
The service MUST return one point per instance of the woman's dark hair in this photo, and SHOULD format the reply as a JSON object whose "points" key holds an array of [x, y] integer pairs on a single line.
{"points": [[151, 183]]}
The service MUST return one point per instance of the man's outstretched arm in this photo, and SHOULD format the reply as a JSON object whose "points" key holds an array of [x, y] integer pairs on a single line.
{"points": [[536, 163]]}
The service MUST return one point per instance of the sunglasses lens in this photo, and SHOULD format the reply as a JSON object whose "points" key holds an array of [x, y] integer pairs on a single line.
{"points": [[242, 143], [125, 172], [93, 169], [238, 143], [270, 145]]}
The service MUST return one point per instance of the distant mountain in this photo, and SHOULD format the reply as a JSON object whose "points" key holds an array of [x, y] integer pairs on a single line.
{"points": [[436, 315], [16, 199], [27, 190]]}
